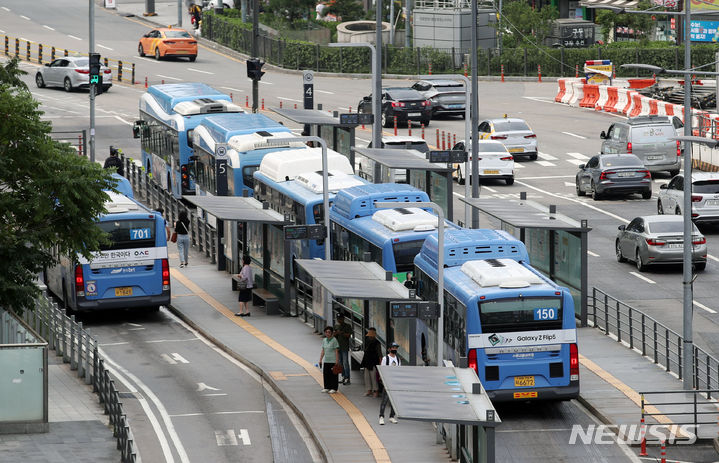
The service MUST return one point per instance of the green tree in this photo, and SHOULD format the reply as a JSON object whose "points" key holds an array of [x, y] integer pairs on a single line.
{"points": [[292, 9], [49, 196], [522, 25], [641, 23]]}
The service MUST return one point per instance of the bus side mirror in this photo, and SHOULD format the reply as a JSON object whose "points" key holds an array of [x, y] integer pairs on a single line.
{"points": [[137, 129], [603, 135]]}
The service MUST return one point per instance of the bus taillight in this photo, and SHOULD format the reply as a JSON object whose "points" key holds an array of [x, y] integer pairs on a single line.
{"points": [[573, 362], [79, 281], [472, 360], [165, 275]]}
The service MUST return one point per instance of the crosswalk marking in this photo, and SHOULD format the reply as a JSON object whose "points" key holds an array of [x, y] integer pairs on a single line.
{"points": [[576, 162], [547, 157], [578, 156], [545, 163], [569, 184]]}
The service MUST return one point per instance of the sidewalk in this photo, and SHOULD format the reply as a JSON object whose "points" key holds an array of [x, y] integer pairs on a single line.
{"points": [[79, 429]]}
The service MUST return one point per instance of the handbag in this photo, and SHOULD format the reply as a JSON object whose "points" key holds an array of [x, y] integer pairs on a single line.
{"points": [[173, 238], [337, 368], [242, 284]]}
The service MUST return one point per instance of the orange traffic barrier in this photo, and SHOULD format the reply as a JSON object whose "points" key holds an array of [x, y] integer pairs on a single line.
{"points": [[562, 90], [610, 105], [591, 95]]}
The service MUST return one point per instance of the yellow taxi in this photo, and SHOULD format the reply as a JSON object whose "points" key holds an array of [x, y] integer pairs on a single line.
{"points": [[513, 133], [168, 41]]}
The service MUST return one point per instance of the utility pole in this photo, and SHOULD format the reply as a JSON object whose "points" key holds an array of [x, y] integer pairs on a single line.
{"points": [[179, 13], [92, 87], [407, 22], [255, 50], [475, 118], [377, 92], [688, 302]]}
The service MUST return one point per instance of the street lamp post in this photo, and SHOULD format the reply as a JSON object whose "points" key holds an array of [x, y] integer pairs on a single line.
{"points": [[376, 90], [467, 131], [688, 296]]}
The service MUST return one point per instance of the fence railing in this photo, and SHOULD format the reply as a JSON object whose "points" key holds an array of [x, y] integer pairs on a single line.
{"points": [[36, 52], [77, 347], [651, 338], [701, 410], [203, 236], [77, 139]]}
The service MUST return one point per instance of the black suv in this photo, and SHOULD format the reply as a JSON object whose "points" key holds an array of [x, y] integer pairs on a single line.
{"points": [[405, 103]]}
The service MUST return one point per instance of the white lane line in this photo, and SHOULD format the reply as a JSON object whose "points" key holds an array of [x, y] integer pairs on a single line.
{"points": [[546, 176], [230, 88], [6, 8], [578, 156], [25, 17], [541, 99], [574, 135], [344, 109], [73, 37], [547, 157], [642, 277], [593, 254], [361, 139], [288, 99], [702, 306], [545, 163], [123, 120], [103, 46], [569, 184], [2, 31], [148, 59], [489, 189], [167, 77], [712, 258], [325, 91], [266, 83], [576, 162], [202, 72], [115, 369], [48, 27], [115, 344], [518, 166]]}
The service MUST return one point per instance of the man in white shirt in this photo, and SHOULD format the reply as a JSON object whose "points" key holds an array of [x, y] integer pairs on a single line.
{"points": [[390, 359]]}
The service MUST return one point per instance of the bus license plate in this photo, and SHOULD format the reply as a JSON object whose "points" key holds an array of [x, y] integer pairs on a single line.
{"points": [[124, 291], [525, 395], [491, 172], [523, 381]]}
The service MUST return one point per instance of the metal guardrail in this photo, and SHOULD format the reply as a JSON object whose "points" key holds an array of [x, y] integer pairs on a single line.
{"points": [[651, 338], [77, 347], [203, 236], [77, 139], [35, 52], [699, 398]]}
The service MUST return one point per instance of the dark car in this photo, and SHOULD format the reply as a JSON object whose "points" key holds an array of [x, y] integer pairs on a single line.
{"points": [[405, 103], [447, 96], [613, 174]]}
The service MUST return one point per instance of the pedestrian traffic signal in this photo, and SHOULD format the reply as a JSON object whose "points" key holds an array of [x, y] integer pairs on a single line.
{"points": [[254, 68], [95, 75]]}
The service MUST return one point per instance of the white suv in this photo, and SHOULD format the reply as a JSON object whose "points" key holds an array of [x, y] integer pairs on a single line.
{"points": [[705, 197], [495, 161]]}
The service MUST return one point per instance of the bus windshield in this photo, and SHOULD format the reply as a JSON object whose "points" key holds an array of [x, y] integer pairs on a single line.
{"points": [[128, 234], [521, 314], [404, 253]]}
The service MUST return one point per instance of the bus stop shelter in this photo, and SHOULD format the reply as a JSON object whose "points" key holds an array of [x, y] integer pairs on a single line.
{"points": [[339, 137], [231, 214], [557, 244], [433, 178], [451, 396], [360, 290]]}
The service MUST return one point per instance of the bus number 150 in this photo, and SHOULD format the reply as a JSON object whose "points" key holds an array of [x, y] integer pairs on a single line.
{"points": [[545, 313]]}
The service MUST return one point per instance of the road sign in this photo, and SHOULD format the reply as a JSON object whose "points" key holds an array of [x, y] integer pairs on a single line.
{"points": [[308, 78], [414, 309], [305, 232], [447, 156], [356, 119], [220, 150]]}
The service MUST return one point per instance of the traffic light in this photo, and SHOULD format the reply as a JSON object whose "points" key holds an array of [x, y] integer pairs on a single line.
{"points": [[95, 75], [254, 68]]}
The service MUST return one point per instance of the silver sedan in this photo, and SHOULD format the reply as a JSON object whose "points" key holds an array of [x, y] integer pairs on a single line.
{"points": [[658, 239], [70, 72]]}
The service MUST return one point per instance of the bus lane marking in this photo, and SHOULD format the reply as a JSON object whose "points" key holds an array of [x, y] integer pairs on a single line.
{"points": [[373, 441]]}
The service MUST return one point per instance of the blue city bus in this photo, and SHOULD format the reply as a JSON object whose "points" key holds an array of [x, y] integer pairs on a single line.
{"points": [[291, 182], [168, 115], [515, 326], [392, 237], [132, 271], [229, 149]]}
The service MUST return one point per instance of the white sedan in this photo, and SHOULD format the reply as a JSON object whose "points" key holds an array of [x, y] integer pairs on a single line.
{"points": [[70, 72], [494, 161]]}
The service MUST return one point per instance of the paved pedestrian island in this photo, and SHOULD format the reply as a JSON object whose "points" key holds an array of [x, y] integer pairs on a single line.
{"points": [[79, 431]]}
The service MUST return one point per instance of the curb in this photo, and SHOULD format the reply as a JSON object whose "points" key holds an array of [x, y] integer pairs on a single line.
{"points": [[265, 377]]}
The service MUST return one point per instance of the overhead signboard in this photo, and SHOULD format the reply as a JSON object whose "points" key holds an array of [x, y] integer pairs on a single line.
{"points": [[305, 232], [447, 156], [356, 119], [425, 310]]}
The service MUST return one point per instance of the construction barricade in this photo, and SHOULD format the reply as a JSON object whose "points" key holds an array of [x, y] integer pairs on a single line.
{"points": [[591, 95], [603, 98]]}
